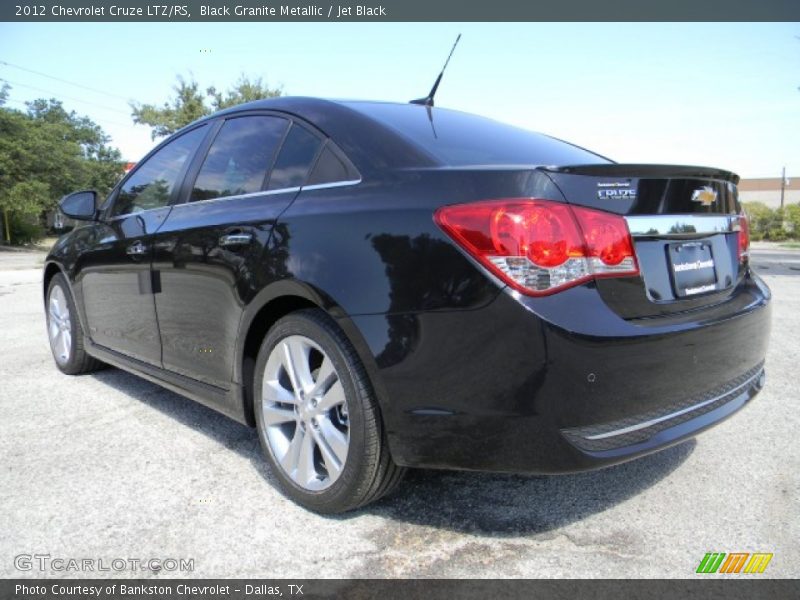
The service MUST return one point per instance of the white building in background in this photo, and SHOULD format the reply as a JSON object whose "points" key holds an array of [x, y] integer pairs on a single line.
{"points": [[768, 191]]}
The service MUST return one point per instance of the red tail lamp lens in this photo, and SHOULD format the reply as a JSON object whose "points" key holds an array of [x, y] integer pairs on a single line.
{"points": [[541, 246], [607, 235], [744, 237]]}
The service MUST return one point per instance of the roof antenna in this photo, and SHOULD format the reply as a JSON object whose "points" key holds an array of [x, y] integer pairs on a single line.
{"points": [[428, 100]]}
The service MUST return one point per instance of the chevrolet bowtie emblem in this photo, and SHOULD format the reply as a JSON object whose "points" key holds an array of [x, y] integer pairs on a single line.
{"points": [[705, 196]]}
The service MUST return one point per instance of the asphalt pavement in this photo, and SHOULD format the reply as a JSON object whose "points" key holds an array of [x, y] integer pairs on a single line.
{"points": [[110, 467]]}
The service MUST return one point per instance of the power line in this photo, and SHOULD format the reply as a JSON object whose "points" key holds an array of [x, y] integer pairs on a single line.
{"points": [[14, 84], [80, 85], [107, 121]]}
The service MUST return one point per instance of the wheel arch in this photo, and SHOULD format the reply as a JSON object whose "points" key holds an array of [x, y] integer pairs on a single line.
{"points": [[270, 305], [51, 269]]}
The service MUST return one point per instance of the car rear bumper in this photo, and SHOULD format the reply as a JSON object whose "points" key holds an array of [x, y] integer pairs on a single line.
{"points": [[561, 384], [675, 421]]}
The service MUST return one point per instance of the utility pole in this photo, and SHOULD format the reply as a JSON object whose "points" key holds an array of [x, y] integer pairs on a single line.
{"points": [[783, 185]]}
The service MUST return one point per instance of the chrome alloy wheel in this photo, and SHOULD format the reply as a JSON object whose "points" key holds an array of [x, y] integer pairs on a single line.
{"points": [[305, 413], [59, 325]]}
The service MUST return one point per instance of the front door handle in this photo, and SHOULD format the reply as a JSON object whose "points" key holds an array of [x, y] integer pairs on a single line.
{"points": [[235, 239], [136, 249]]}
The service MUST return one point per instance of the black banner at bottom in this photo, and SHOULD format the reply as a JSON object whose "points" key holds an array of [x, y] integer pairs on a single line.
{"points": [[383, 589]]}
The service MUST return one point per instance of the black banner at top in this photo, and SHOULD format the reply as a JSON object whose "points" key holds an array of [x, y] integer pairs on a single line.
{"points": [[398, 10]]}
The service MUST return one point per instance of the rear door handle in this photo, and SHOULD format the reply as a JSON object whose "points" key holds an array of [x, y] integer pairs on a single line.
{"points": [[235, 239], [136, 249]]}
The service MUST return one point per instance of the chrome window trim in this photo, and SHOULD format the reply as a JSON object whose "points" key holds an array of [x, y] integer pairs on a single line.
{"points": [[333, 184], [196, 202], [298, 188], [677, 413], [133, 214], [681, 225], [318, 186], [236, 196]]}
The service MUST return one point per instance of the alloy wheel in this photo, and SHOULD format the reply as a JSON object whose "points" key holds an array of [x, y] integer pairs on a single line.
{"points": [[59, 326], [305, 413]]}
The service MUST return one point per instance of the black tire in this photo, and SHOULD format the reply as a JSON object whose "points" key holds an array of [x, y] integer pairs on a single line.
{"points": [[368, 472], [78, 361]]}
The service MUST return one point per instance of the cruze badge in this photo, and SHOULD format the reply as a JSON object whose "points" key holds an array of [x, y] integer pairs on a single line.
{"points": [[705, 195], [615, 190]]}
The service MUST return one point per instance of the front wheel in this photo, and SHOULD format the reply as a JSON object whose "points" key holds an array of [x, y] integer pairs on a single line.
{"points": [[317, 417], [64, 330]]}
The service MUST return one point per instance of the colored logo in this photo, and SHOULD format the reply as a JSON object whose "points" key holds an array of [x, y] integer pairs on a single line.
{"points": [[705, 195], [736, 562]]}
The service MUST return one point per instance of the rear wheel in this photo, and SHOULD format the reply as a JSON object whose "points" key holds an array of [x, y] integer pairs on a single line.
{"points": [[317, 416], [65, 332]]}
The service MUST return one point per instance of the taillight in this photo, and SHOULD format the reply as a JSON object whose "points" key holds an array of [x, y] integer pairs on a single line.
{"points": [[744, 237], [539, 246]]}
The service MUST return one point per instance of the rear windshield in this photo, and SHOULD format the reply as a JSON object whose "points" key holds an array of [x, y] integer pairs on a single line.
{"points": [[461, 139]]}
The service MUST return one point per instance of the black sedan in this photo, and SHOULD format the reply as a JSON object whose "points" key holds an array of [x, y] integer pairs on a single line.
{"points": [[376, 286]]}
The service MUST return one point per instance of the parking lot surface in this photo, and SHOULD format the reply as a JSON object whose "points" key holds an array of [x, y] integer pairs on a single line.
{"points": [[109, 466]]}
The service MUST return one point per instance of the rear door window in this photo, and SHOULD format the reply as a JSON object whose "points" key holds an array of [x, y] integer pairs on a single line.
{"points": [[239, 158]]}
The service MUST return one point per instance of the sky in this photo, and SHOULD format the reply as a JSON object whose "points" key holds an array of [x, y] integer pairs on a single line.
{"points": [[724, 95]]}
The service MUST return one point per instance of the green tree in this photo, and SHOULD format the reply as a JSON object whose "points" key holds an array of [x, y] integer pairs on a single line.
{"points": [[190, 103], [761, 218], [793, 219], [46, 152], [243, 90]]}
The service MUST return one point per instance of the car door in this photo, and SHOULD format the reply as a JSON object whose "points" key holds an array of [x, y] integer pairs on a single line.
{"points": [[115, 269], [212, 253]]}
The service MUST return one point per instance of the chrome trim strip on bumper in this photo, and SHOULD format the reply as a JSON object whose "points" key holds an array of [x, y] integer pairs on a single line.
{"points": [[677, 413], [681, 225]]}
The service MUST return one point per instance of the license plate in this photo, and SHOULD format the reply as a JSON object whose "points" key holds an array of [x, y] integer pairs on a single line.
{"points": [[693, 269]]}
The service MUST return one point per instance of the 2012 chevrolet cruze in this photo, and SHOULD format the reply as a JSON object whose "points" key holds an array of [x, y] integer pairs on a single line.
{"points": [[376, 286]]}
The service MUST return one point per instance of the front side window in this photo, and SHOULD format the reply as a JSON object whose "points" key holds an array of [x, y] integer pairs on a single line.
{"points": [[151, 185], [239, 157]]}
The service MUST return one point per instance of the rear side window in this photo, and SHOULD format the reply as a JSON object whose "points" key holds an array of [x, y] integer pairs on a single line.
{"points": [[295, 159], [330, 168], [239, 158], [151, 185]]}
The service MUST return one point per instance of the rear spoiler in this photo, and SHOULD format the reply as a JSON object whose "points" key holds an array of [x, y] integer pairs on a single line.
{"points": [[646, 171]]}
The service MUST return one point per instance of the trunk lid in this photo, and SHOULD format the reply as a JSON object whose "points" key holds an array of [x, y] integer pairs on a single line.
{"points": [[685, 227]]}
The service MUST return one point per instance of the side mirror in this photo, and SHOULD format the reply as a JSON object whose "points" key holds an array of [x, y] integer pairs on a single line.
{"points": [[79, 205]]}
